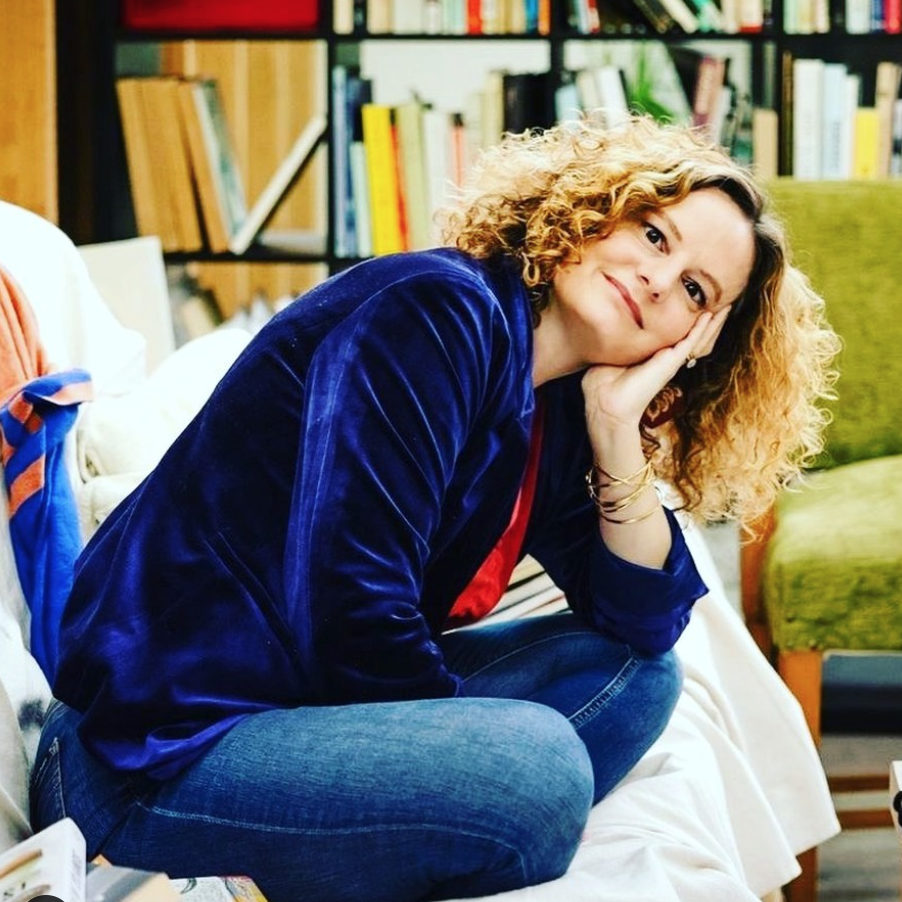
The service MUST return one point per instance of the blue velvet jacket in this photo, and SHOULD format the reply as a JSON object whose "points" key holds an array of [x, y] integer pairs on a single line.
{"points": [[304, 539]]}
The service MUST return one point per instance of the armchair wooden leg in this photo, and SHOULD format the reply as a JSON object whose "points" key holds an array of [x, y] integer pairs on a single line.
{"points": [[804, 887], [802, 671]]}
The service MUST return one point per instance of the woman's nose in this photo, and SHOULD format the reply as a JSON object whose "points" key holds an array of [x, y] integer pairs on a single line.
{"points": [[659, 280]]}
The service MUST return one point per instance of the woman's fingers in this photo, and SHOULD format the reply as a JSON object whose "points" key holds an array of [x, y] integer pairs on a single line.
{"points": [[711, 330]]}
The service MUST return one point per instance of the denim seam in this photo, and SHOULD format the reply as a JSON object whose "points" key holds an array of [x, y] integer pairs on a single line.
{"points": [[300, 831], [49, 777], [521, 648], [613, 689]]}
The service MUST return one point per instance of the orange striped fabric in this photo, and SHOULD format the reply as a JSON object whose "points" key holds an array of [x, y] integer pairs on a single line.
{"points": [[21, 355]]}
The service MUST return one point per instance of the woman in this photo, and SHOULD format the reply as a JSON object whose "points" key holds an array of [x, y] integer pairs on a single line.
{"points": [[258, 669]]}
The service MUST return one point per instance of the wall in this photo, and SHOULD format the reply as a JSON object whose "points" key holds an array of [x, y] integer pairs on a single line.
{"points": [[28, 156]]}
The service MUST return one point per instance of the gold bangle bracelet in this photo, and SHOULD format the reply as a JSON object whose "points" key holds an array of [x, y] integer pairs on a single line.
{"points": [[628, 520]]}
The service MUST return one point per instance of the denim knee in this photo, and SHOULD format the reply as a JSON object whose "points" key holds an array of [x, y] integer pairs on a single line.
{"points": [[661, 677], [551, 782]]}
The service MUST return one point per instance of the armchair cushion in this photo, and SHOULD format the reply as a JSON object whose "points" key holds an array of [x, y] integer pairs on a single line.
{"points": [[833, 574], [844, 235]]}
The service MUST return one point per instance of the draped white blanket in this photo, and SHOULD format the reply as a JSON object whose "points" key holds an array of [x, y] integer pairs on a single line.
{"points": [[720, 805]]}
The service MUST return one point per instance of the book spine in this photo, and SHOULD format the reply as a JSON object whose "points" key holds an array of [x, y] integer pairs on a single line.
{"points": [[383, 181], [342, 196], [808, 118], [865, 158]]}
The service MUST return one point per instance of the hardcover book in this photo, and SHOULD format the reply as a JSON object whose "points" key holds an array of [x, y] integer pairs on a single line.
{"points": [[215, 15]]}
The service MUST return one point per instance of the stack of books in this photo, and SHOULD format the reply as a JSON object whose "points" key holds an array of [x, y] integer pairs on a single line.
{"points": [[186, 184]]}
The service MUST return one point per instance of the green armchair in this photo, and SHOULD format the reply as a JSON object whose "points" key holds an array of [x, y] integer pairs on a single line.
{"points": [[826, 570]]}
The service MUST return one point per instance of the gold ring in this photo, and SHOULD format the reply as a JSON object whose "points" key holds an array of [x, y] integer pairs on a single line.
{"points": [[691, 360]]}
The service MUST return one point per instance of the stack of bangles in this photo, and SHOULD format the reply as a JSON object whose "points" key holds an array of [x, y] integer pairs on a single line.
{"points": [[598, 479]]}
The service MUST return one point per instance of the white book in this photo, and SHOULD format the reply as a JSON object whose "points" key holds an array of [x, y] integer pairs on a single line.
{"points": [[821, 16], [836, 129], [378, 16], [750, 14], [807, 117], [587, 88], [407, 17], [360, 186], [858, 16], [491, 116], [566, 102], [342, 16], [432, 17], [437, 151], [289, 169], [886, 93], [343, 211], [454, 17], [50, 863], [682, 14], [612, 95], [730, 16]]}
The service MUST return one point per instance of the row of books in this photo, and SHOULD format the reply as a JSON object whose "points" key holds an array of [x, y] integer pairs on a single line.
{"points": [[52, 865], [671, 82], [835, 134], [842, 16], [451, 17], [394, 165], [184, 176], [661, 16], [481, 17]]}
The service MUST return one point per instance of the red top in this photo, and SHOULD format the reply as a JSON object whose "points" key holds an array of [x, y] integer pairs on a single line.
{"points": [[490, 582]]}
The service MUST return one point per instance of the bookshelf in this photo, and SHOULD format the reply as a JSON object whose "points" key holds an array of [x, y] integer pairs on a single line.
{"points": [[438, 65]]}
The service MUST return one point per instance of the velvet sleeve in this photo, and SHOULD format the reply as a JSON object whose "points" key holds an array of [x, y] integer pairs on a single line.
{"points": [[645, 607], [392, 397]]}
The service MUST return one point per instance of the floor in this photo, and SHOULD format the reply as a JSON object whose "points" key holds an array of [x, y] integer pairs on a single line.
{"points": [[857, 865]]}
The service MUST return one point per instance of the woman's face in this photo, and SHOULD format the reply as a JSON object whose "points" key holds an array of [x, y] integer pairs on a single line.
{"points": [[642, 288]]}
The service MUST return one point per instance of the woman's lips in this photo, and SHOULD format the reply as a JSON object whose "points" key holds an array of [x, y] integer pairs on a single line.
{"points": [[628, 300]]}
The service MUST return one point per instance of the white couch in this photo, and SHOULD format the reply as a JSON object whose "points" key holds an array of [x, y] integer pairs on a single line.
{"points": [[716, 810]]}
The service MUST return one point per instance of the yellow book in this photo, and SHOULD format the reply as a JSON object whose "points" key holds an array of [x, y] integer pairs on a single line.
{"points": [[214, 223], [178, 177], [866, 149], [137, 153], [382, 173], [156, 122]]}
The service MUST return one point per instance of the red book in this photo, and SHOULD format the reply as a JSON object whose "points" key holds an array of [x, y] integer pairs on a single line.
{"points": [[474, 16], [219, 15]]}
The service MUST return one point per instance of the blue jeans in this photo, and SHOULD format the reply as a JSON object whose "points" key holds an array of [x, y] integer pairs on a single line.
{"points": [[392, 801]]}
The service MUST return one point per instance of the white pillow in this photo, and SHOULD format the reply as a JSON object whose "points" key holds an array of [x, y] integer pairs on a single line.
{"points": [[120, 439], [76, 327]]}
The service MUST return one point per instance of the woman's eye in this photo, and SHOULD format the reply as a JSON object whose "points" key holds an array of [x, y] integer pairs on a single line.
{"points": [[655, 236], [695, 292]]}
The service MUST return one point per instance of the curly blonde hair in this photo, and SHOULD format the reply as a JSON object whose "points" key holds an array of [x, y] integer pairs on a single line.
{"points": [[747, 419]]}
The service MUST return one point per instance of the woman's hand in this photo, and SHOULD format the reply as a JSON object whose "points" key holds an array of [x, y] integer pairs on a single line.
{"points": [[631, 520], [617, 396]]}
